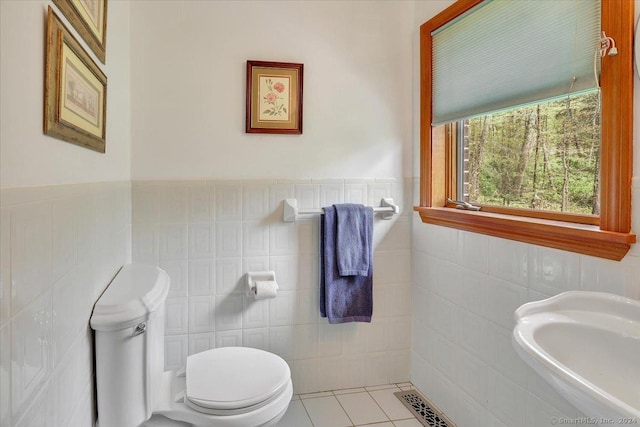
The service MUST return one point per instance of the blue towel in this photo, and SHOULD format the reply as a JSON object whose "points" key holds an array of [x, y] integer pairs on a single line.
{"points": [[342, 298], [353, 238]]}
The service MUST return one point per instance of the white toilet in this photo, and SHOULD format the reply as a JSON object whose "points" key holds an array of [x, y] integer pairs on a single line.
{"points": [[224, 387]]}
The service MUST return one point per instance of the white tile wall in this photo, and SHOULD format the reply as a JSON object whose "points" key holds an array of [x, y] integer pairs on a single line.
{"points": [[203, 278], [60, 247], [176, 316], [201, 342], [467, 287], [229, 338], [5, 374], [228, 273], [201, 203], [175, 351], [172, 241], [41, 412], [201, 240], [208, 234], [178, 271], [66, 315], [201, 314], [228, 312], [172, 203], [31, 250], [256, 338], [255, 200], [228, 201]]}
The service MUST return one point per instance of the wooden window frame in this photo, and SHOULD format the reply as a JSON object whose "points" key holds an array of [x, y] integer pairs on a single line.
{"points": [[607, 236]]}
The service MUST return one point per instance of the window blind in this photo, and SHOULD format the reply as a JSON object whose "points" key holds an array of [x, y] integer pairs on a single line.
{"points": [[507, 53]]}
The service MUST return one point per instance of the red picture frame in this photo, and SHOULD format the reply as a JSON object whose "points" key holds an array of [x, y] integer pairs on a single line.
{"points": [[274, 97]]}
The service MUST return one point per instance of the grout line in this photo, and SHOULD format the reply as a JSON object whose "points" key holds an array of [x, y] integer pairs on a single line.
{"points": [[379, 406], [316, 395], [376, 423], [345, 411], [355, 390], [307, 412], [404, 384], [381, 387]]}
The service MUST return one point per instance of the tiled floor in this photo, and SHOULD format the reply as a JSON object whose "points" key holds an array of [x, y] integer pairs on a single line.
{"points": [[363, 407]]}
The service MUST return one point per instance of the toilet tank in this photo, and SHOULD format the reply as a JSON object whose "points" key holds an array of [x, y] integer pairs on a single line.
{"points": [[128, 320]]}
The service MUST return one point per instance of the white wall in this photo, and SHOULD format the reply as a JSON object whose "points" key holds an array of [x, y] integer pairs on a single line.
{"points": [[466, 288], [208, 234], [188, 91], [188, 84], [27, 156], [63, 232], [59, 248]]}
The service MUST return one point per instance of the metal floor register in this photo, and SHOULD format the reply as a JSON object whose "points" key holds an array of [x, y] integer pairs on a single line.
{"points": [[424, 411]]}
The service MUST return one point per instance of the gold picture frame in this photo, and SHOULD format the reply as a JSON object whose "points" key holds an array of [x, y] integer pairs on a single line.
{"points": [[274, 97], [89, 18], [75, 90]]}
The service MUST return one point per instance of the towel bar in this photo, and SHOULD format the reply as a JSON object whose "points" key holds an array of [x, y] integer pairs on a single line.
{"points": [[291, 213]]}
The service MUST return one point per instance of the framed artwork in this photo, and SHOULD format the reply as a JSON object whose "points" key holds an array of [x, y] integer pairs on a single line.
{"points": [[75, 90], [89, 18], [274, 97]]}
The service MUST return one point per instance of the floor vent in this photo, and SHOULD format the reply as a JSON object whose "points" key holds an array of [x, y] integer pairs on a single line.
{"points": [[423, 410]]}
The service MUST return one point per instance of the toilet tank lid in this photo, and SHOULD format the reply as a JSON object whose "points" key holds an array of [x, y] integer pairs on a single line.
{"points": [[132, 295]]}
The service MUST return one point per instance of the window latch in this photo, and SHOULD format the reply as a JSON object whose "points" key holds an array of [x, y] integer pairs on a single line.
{"points": [[461, 204]]}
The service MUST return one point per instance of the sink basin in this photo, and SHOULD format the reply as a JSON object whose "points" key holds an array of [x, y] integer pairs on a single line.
{"points": [[586, 345]]}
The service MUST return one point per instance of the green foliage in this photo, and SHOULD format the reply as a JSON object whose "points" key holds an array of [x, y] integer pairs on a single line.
{"points": [[543, 156]]}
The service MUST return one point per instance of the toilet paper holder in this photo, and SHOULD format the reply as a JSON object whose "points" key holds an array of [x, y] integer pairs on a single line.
{"points": [[258, 276]]}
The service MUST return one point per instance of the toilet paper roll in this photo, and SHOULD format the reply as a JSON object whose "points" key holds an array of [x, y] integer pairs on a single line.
{"points": [[265, 289]]}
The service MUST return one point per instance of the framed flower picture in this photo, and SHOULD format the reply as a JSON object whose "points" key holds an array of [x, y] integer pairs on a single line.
{"points": [[274, 97], [75, 90]]}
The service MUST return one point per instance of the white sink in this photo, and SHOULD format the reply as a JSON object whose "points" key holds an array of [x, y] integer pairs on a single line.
{"points": [[587, 346]]}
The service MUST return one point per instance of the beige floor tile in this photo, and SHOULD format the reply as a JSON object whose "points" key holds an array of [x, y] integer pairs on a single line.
{"points": [[390, 404], [296, 416], [361, 408], [326, 412], [407, 423]]}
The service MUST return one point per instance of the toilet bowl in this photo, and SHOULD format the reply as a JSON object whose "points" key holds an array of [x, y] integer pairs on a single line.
{"points": [[227, 387], [223, 387]]}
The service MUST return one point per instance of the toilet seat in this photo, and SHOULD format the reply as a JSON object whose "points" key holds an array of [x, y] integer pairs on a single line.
{"points": [[234, 380]]}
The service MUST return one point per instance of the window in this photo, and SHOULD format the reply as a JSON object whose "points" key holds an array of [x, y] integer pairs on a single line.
{"points": [[544, 157], [580, 222]]}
